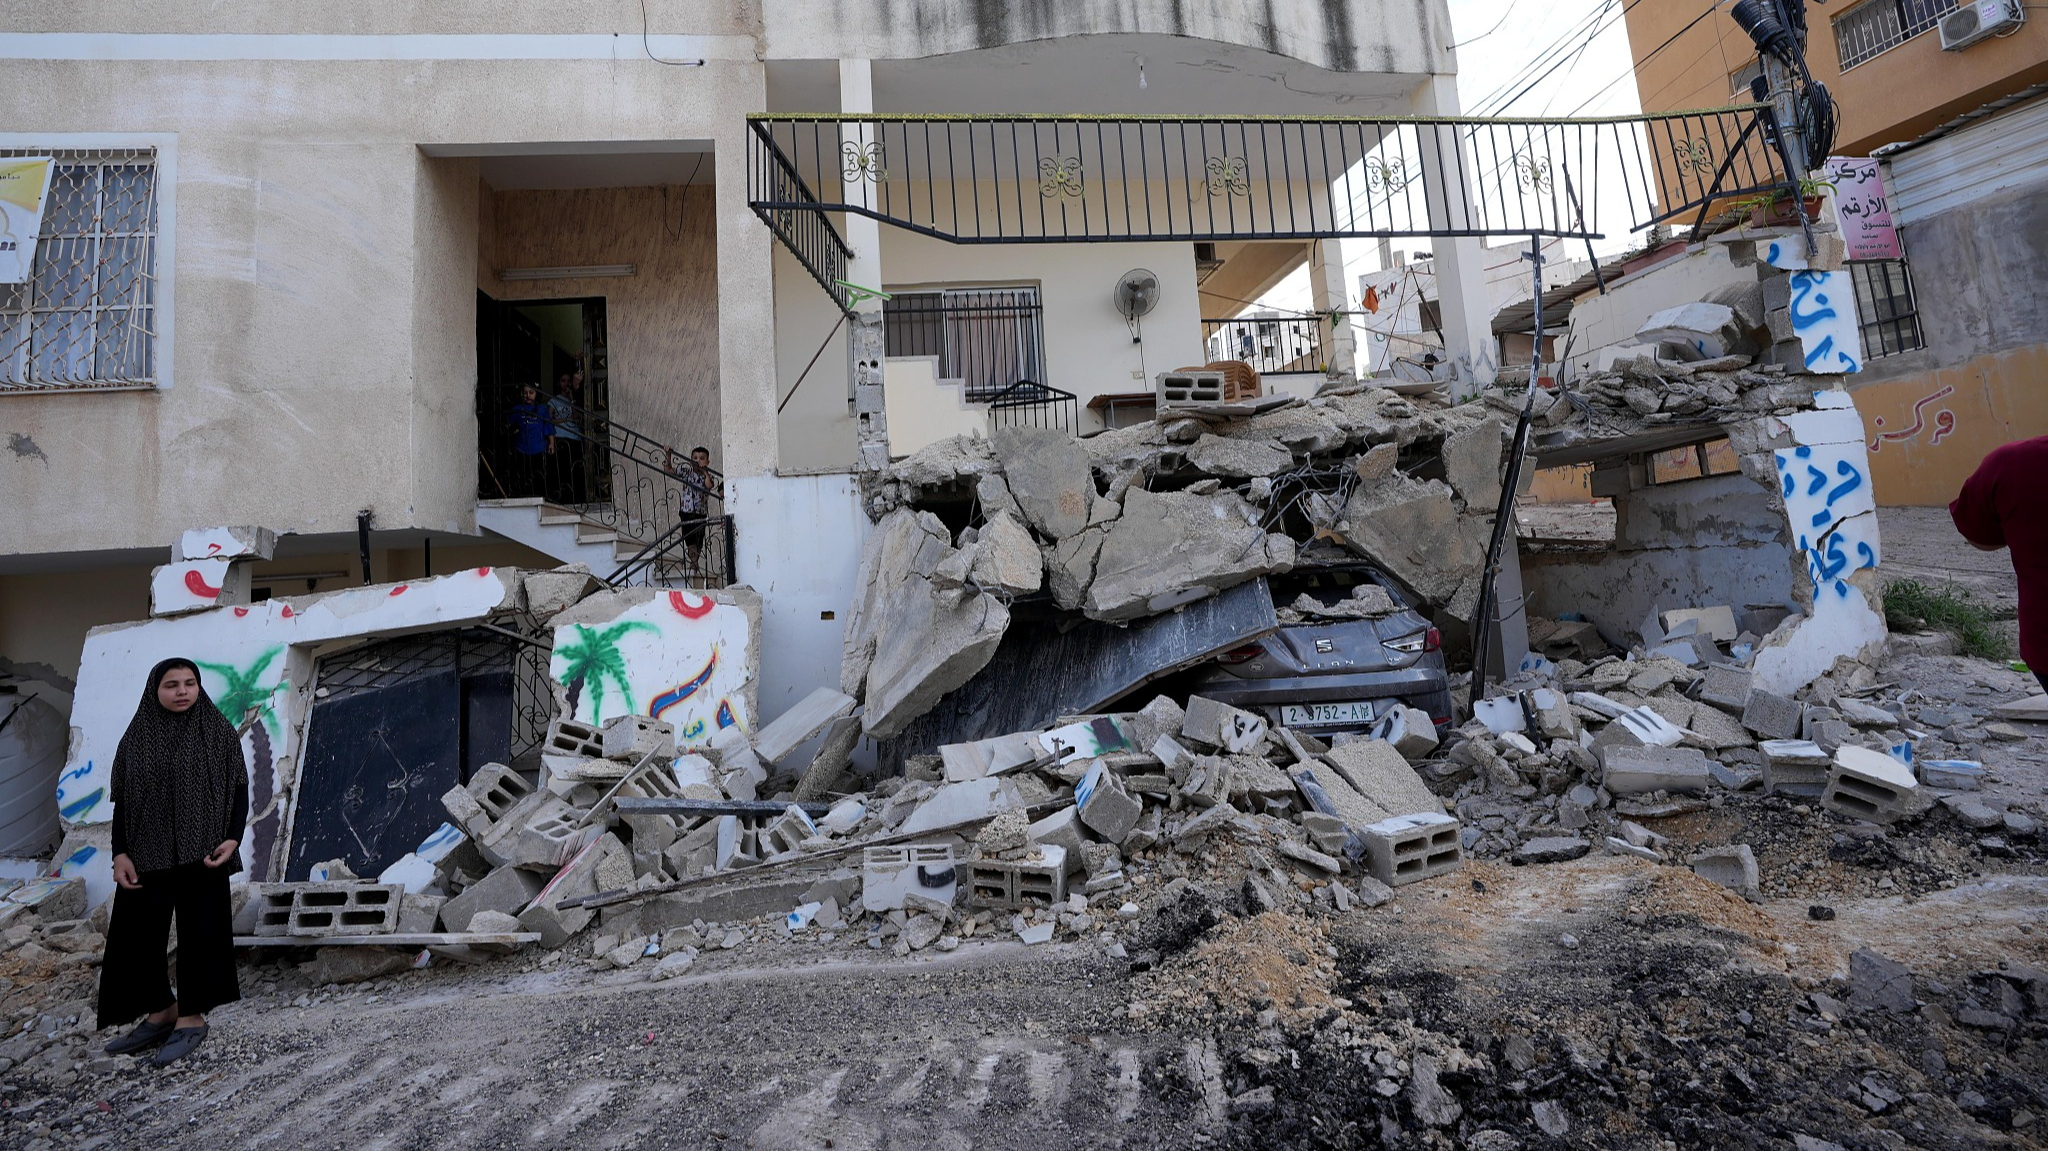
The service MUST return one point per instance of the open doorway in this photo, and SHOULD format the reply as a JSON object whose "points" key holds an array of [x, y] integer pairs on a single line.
{"points": [[552, 443]]}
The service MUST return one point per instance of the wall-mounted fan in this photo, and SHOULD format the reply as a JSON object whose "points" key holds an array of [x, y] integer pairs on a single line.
{"points": [[1137, 292]]}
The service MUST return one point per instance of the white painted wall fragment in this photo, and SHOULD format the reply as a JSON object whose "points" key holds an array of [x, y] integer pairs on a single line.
{"points": [[193, 585], [211, 543], [689, 658]]}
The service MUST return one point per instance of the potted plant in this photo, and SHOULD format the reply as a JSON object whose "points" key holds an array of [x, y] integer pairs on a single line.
{"points": [[1778, 209]]}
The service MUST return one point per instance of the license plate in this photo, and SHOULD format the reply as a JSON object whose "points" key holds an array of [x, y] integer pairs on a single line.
{"points": [[1347, 712]]}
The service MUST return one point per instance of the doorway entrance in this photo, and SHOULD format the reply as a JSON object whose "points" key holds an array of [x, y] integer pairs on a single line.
{"points": [[553, 445]]}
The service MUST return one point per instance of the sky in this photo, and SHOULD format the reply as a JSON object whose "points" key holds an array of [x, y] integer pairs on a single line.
{"points": [[1497, 41]]}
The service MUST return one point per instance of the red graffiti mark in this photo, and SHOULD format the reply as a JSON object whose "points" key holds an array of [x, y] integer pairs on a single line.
{"points": [[400, 588], [688, 611], [197, 585], [483, 571], [212, 548], [286, 612], [241, 611], [1944, 423], [1920, 421]]}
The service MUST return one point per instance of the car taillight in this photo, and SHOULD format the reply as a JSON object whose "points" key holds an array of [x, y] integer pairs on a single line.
{"points": [[1427, 641], [1240, 655]]}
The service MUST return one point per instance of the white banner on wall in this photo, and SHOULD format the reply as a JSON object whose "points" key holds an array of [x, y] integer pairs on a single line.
{"points": [[24, 186]]}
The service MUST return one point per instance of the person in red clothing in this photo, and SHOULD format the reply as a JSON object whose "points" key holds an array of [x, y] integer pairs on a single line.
{"points": [[2002, 506]]}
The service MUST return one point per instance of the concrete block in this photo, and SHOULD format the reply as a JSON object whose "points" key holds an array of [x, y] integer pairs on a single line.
{"points": [[1410, 730], [1104, 806], [649, 779], [1553, 711], [1597, 704], [963, 801], [787, 831], [1954, 775], [1194, 831], [1413, 847], [1631, 771], [572, 741], [1732, 866], [539, 832], [1795, 767], [550, 592], [1219, 725], [889, 874], [464, 810], [1182, 389], [505, 890], [1382, 775], [602, 865], [1206, 781], [1771, 716], [410, 872], [1019, 884], [1870, 785], [340, 908], [418, 912], [496, 789], [777, 739], [1062, 829], [270, 909], [1638, 728], [1727, 688], [633, 738]]}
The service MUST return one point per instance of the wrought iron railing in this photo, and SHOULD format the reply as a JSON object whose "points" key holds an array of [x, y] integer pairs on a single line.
{"points": [[987, 338], [697, 554], [1029, 404], [1272, 345], [792, 212], [609, 475], [1043, 179]]}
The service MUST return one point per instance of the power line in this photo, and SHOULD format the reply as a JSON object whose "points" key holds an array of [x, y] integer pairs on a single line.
{"points": [[1490, 31]]}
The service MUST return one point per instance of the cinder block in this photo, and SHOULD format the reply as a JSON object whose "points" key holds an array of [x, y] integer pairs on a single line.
{"points": [[1104, 805], [570, 742], [505, 890], [1727, 688], [1638, 728], [1219, 725], [496, 789], [602, 865], [1207, 781], [1415, 847], [1629, 771], [536, 833], [888, 874], [1019, 884], [464, 810], [1795, 767], [338, 909], [1771, 716], [1553, 711], [273, 904], [1196, 386], [1062, 829], [1409, 730], [632, 738], [786, 831], [419, 912], [649, 779], [1870, 785]]}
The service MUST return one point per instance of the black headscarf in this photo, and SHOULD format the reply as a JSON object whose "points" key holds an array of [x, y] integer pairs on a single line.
{"points": [[178, 780]]}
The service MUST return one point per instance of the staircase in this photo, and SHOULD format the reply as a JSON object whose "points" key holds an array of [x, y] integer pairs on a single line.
{"points": [[563, 533]]}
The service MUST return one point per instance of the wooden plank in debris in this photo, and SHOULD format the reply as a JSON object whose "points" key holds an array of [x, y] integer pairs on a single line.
{"points": [[391, 939], [1040, 673], [664, 806]]}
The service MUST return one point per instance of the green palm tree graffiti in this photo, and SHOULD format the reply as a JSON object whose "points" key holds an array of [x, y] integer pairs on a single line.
{"points": [[592, 658], [243, 690]]}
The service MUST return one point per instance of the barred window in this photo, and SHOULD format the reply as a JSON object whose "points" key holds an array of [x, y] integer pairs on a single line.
{"points": [[991, 338], [86, 316], [1885, 309], [1881, 25]]}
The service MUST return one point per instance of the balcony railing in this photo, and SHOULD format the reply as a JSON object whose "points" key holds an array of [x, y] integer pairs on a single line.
{"points": [[1029, 404], [1272, 345]]}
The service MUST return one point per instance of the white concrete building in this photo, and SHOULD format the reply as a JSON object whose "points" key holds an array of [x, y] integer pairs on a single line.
{"points": [[297, 262]]}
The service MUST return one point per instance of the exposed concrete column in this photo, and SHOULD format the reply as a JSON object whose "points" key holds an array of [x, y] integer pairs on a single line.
{"points": [[1462, 295], [746, 310], [863, 233], [1326, 282]]}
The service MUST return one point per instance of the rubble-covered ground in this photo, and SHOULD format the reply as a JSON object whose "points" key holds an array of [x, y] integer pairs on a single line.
{"points": [[1601, 1001]]}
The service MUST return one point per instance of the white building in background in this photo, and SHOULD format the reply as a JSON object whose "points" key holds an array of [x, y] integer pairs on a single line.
{"points": [[300, 258], [1402, 317]]}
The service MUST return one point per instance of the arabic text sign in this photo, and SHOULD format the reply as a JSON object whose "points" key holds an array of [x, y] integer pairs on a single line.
{"points": [[1864, 210], [24, 186]]}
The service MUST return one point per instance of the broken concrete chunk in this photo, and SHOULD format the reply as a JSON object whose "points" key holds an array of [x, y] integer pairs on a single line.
{"points": [[548, 593], [1105, 807], [961, 802], [1411, 528], [905, 644], [1238, 459], [505, 890], [1550, 850], [630, 738], [1472, 463], [1706, 331], [1870, 785], [1049, 476], [1638, 727], [1008, 560], [778, 738], [1382, 775], [1733, 866], [1219, 725], [1410, 730], [1630, 771], [1772, 716], [1172, 548]]}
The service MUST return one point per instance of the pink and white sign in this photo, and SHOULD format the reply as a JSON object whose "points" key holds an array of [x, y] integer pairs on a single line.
{"points": [[1864, 210]]}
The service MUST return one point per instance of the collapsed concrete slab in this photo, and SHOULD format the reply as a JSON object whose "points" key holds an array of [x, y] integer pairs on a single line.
{"points": [[906, 646], [1171, 548], [1411, 528], [1048, 474]]}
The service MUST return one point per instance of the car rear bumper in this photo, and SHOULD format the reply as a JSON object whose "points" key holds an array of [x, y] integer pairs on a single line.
{"points": [[1423, 688]]}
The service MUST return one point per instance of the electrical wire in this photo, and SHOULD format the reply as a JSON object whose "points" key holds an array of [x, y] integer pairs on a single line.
{"points": [[1490, 31], [647, 46]]}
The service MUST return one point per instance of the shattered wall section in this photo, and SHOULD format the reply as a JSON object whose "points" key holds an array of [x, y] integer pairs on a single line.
{"points": [[690, 659]]}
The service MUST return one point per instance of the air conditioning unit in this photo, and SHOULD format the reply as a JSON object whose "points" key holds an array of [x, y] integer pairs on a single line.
{"points": [[1975, 20]]}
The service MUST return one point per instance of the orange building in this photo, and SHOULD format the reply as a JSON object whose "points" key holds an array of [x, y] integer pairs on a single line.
{"points": [[1953, 99]]}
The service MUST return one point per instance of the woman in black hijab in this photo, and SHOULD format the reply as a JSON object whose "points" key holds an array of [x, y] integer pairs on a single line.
{"points": [[181, 798]]}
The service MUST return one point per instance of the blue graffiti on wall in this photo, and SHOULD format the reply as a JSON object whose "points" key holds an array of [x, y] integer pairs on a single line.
{"points": [[1823, 308], [1827, 498]]}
